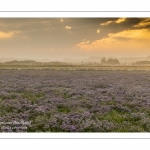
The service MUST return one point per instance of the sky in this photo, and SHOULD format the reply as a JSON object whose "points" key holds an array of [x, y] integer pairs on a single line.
{"points": [[75, 38]]}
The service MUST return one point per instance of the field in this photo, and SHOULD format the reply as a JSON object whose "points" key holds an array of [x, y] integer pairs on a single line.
{"points": [[74, 100]]}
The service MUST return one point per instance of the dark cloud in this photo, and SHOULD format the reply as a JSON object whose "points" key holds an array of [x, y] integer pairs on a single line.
{"points": [[144, 23], [81, 28], [125, 25]]}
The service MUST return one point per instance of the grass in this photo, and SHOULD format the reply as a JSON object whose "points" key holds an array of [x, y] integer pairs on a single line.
{"points": [[63, 109], [113, 116]]}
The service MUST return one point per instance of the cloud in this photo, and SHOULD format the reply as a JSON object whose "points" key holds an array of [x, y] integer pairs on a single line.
{"points": [[67, 27], [117, 21], [98, 31], [135, 34], [128, 41], [4, 35], [120, 20], [143, 23], [106, 23], [84, 42]]}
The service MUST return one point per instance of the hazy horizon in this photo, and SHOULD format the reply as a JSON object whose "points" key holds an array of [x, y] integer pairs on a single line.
{"points": [[74, 38]]}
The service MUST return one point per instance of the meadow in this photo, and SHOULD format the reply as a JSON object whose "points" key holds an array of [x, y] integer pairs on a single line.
{"points": [[74, 100]]}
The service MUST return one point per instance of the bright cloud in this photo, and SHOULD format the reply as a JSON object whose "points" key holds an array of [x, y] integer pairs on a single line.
{"points": [[136, 34], [120, 20], [98, 31], [84, 42], [143, 23], [135, 40], [106, 23], [67, 27], [117, 21], [4, 35]]}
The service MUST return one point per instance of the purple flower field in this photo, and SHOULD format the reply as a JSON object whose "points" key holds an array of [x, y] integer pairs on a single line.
{"points": [[74, 101]]}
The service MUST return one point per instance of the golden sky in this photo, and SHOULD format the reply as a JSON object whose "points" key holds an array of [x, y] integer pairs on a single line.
{"points": [[59, 38]]}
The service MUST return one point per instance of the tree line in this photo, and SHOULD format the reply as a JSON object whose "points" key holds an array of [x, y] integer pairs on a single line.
{"points": [[110, 61]]}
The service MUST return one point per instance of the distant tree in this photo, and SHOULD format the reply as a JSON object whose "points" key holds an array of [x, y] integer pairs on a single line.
{"points": [[111, 61], [116, 62], [103, 61]]}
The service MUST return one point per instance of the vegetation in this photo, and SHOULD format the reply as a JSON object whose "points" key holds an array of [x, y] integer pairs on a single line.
{"points": [[110, 61], [74, 101]]}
